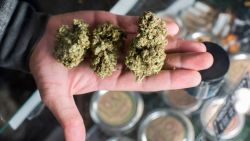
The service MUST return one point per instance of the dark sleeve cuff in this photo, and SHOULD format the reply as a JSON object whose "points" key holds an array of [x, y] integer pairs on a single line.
{"points": [[24, 29]]}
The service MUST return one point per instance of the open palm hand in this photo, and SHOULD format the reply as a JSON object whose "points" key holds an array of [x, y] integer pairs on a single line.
{"points": [[58, 84]]}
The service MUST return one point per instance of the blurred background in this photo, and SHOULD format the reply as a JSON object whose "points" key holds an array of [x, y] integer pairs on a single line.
{"points": [[218, 109]]}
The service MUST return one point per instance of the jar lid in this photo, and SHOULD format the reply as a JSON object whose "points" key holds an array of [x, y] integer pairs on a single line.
{"points": [[166, 125], [116, 111], [220, 65]]}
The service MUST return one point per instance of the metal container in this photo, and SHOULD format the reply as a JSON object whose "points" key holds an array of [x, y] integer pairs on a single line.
{"points": [[213, 77], [116, 129], [207, 117], [180, 100], [178, 125]]}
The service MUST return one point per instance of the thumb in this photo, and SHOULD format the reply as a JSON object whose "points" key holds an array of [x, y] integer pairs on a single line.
{"points": [[62, 105]]}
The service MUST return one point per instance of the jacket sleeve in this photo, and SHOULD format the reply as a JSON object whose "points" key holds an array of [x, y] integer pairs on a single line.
{"points": [[20, 27]]}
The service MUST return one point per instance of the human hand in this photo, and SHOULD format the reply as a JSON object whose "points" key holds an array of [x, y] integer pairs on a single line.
{"points": [[58, 84]]}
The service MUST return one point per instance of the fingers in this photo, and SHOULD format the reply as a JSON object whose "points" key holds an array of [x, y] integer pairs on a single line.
{"points": [[194, 61], [63, 107], [165, 80], [127, 23], [176, 45], [130, 23], [172, 27]]}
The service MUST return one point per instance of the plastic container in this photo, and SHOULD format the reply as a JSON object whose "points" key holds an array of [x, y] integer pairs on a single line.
{"points": [[213, 77]]}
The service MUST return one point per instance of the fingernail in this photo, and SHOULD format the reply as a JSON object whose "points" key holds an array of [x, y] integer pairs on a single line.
{"points": [[203, 46]]}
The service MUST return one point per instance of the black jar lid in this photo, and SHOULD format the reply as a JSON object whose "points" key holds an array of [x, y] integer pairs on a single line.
{"points": [[220, 65]]}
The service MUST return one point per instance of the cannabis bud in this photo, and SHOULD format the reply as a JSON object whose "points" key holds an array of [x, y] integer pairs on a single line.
{"points": [[72, 43], [146, 54], [106, 41]]}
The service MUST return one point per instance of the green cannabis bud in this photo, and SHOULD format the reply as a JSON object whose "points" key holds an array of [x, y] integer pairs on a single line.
{"points": [[72, 43], [146, 53], [106, 41]]}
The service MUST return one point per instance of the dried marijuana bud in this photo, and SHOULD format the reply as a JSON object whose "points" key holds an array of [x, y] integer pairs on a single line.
{"points": [[147, 51], [106, 41], [72, 43]]}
